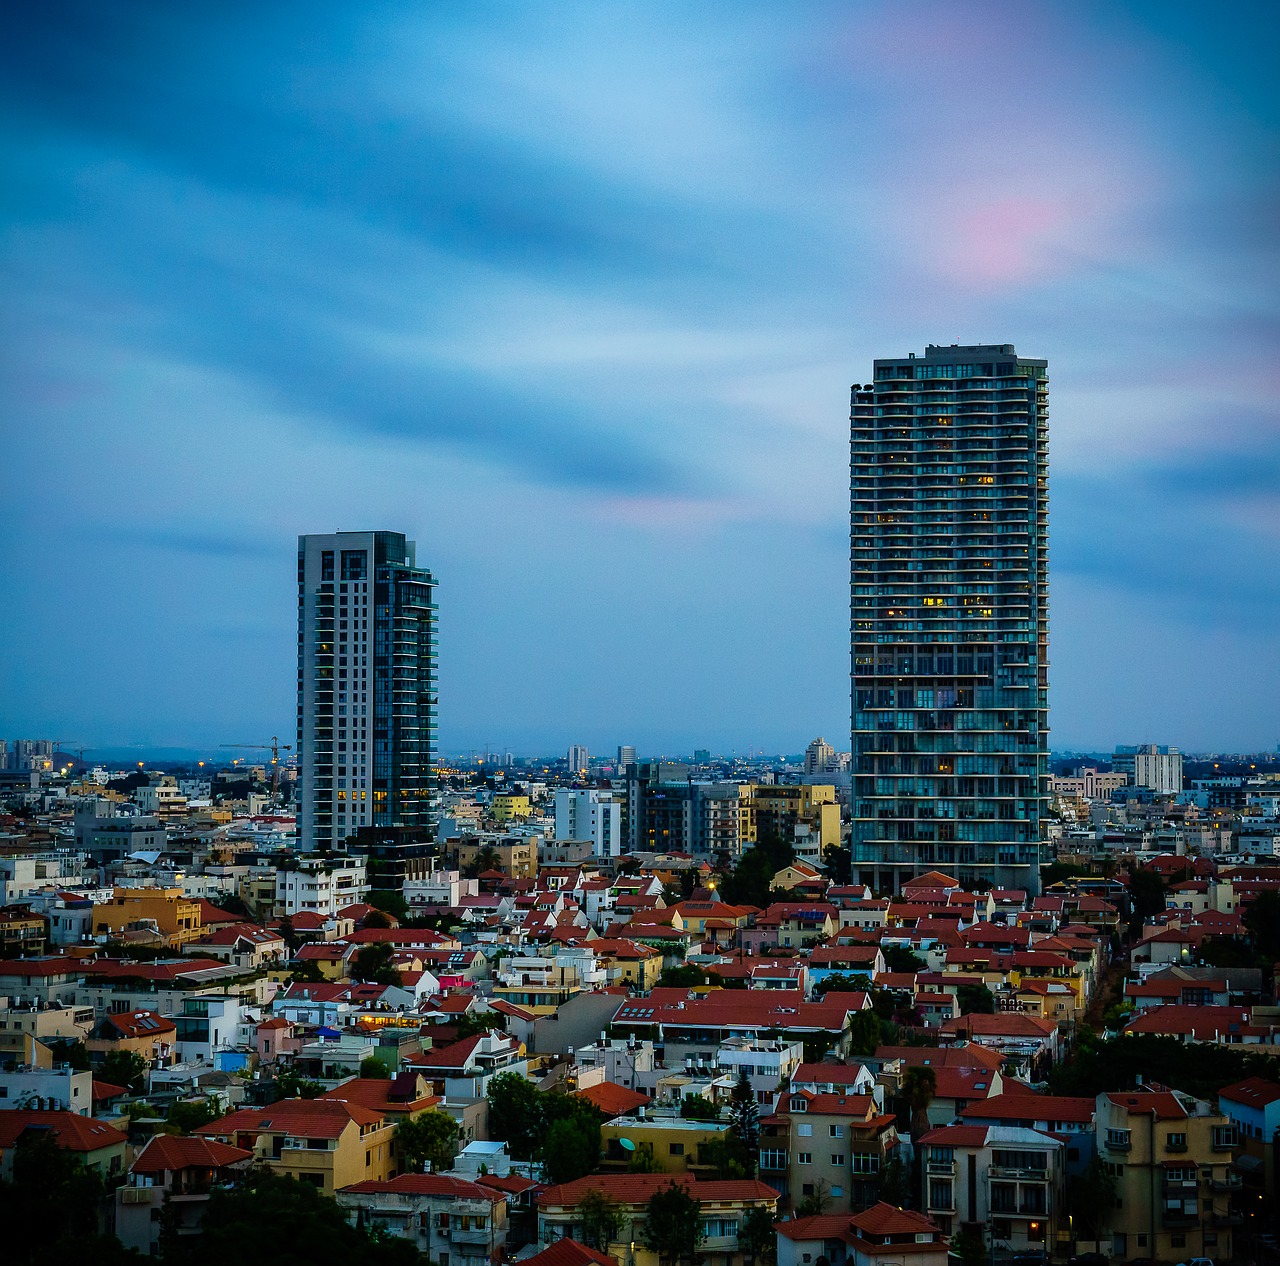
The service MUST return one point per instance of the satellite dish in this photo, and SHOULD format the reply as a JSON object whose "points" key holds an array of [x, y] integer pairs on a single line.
{"points": [[627, 1145]]}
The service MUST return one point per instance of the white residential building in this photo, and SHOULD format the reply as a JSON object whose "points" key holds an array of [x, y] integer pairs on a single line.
{"points": [[590, 815], [320, 885]]}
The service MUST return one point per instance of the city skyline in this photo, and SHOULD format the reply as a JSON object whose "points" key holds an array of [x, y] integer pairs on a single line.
{"points": [[575, 300]]}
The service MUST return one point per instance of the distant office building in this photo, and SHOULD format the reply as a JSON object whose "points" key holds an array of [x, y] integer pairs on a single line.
{"points": [[366, 686], [950, 616], [590, 815], [668, 811], [579, 759], [819, 756], [626, 756], [702, 756], [1157, 768]]}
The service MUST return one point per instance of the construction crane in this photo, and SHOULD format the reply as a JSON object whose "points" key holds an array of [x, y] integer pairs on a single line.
{"points": [[275, 747]]}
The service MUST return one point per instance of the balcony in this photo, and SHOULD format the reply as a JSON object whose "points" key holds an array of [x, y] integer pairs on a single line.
{"points": [[1178, 1216], [1228, 1219], [943, 1169], [1227, 1182]]}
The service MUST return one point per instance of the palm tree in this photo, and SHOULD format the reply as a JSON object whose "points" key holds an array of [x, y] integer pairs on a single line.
{"points": [[919, 1085]]}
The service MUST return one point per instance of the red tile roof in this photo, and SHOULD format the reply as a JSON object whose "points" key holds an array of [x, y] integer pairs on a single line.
{"points": [[132, 1024], [567, 1252], [613, 1100], [1014, 1106], [426, 1185], [1253, 1092], [638, 1188], [311, 1118], [170, 1151], [69, 1129]]}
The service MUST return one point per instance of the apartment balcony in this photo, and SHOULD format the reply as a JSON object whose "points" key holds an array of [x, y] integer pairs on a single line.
{"points": [[941, 1169], [1179, 1217], [1022, 1175], [1230, 1181]]}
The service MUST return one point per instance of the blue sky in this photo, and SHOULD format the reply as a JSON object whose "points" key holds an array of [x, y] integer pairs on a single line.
{"points": [[574, 294]]}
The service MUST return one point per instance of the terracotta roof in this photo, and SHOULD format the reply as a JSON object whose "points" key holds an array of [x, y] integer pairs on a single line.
{"points": [[1206, 1022], [453, 1056], [140, 1024], [512, 1184], [827, 1074], [1013, 1106], [107, 1090], [382, 1094], [766, 1008], [888, 1219], [170, 1151], [966, 1055], [638, 1188], [567, 1252], [426, 1185], [1006, 1024], [69, 1129], [957, 1136], [212, 915], [31, 968], [312, 1118], [613, 1100], [1162, 1104], [1253, 1092]]}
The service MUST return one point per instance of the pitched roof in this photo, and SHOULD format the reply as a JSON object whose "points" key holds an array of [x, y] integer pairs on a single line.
{"points": [[68, 1129], [638, 1188], [1015, 1106], [426, 1185], [613, 1100], [131, 1024], [888, 1219], [1253, 1092], [312, 1118], [171, 1151], [567, 1252]]}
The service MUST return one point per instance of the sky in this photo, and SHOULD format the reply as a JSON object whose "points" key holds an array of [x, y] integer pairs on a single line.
{"points": [[573, 294]]}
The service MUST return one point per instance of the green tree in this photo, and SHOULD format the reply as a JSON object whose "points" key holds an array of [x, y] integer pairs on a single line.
{"points": [[476, 1022], [375, 964], [188, 1115], [601, 1219], [894, 1182], [818, 1202], [307, 972], [288, 1223], [1262, 919], [919, 1085], [697, 1108], [570, 1149], [900, 958], [838, 860], [643, 1161], [686, 976], [288, 935], [515, 1113], [757, 1235], [744, 1124], [124, 1068], [843, 982], [51, 1208], [672, 1226], [1091, 1197], [291, 1084], [391, 901], [967, 1245], [865, 1033], [431, 1136], [976, 999], [1147, 890], [372, 1066]]}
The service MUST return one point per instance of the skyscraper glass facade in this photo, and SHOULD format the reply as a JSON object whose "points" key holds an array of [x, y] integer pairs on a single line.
{"points": [[950, 616], [366, 686]]}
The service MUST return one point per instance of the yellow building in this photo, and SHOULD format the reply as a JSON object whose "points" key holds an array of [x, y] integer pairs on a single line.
{"points": [[774, 811], [677, 1145], [507, 808], [513, 856], [173, 915], [326, 1142], [723, 1207], [1171, 1157]]}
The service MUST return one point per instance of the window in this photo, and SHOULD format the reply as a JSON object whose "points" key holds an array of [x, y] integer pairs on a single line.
{"points": [[1118, 1140], [1177, 1142], [837, 1192], [837, 1158], [940, 1194], [805, 1158], [837, 1131], [677, 1149], [805, 1130]]}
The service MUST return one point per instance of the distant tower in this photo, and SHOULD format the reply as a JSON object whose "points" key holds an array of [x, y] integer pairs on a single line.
{"points": [[366, 686], [579, 758], [818, 756], [626, 756], [949, 568]]}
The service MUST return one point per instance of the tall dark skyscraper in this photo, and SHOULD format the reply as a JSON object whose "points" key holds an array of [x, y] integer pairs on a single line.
{"points": [[950, 617], [366, 686]]}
